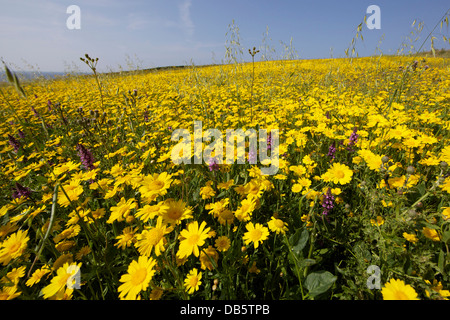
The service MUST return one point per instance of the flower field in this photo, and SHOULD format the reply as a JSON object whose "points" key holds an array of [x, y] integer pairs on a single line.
{"points": [[93, 207]]}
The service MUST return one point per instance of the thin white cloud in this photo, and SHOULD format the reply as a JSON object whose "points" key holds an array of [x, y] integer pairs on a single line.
{"points": [[185, 17]]}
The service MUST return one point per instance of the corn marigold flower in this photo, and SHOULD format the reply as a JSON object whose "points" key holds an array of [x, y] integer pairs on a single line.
{"points": [[38, 275], [397, 290], [338, 173], [69, 192], [122, 210], [431, 234], [176, 212], [9, 293], [192, 238], [244, 212], [410, 237], [13, 247], [277, 225], [256, 233], [139, 274], [193, 281], [222, 243], [65, 277], [155, 185], [207, 256], [153, 238]]}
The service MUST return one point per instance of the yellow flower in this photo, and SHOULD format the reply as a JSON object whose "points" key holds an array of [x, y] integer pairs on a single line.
{"points": [[225, 185], [64, 275], [9, 293], [193, 281], [431, 234], [192, 238], [155, 185], [244, 212], [176, 212], [207, 191], [277, 225], [222, 243], [150, 211], [206, 257], [121, 211], [446, 213], [152, 238], [65, 167], [156, 293], [338, 173], [69, 193], [82, 252], [254, 268], [256, 233], [410, 237], [126, 239], [137, 278], [13, 276], [13, 247], [37, 275], [378, 222], [68, 233], [398, 290]]}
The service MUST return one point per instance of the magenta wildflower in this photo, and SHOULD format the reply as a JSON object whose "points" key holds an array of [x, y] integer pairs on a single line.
{"points": [[86, 157], [213, 166], [14, 143], [327, 202], [352, 140], [21, 191], [332, 150]]}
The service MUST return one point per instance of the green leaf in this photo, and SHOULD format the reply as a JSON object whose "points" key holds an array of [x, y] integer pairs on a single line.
{"points": [[319, 282], [299, 241], [441, 261], [307, 263], [446, 236], [9, 74]]}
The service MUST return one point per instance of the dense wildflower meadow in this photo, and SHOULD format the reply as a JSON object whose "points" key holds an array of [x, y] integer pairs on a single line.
{"points": [[93, 206]]}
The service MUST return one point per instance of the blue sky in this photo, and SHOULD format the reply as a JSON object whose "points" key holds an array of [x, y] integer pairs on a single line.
{"points": [[123, 34]]}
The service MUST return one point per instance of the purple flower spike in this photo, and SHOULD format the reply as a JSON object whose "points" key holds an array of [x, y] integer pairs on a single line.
{"points": [[14, 143], [213, 166], [332, 151], [327, 203], [21, 191], [86, 157]]}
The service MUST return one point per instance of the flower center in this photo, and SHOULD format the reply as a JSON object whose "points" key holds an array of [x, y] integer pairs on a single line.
{"points": [[155, 235], [139, 276], [256, 235], [193, 240], [399, 295], [340, 174], [13, 248], [278, 223]]}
